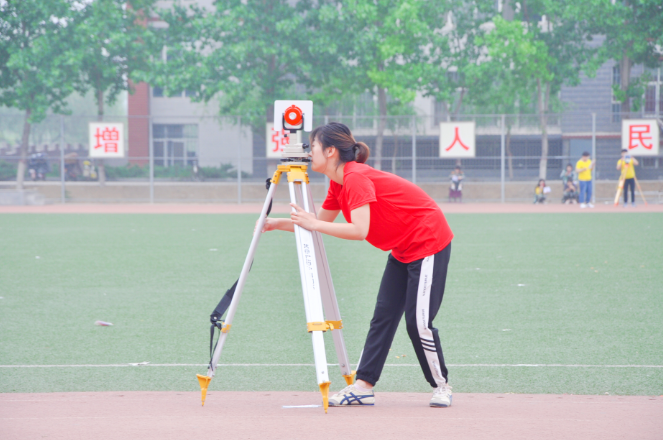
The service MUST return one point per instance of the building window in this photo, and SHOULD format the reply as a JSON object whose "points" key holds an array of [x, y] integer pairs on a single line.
{"points": [[650, 162], [440, 112], [159, 92], [175, 144], [654, 93]]}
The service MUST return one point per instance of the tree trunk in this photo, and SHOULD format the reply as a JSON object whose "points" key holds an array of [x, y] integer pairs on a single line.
{"points": [[382, 124], [508, 151], [459, 103], [101, 170], [625, 79], [22, 164], [543, 120]]}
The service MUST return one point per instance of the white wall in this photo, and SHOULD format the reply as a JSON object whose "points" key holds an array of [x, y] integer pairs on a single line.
{"points": [[219, 138]]}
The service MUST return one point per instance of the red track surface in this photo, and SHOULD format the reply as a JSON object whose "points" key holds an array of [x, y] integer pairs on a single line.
{"points": [[260, 415], [210, 208]]}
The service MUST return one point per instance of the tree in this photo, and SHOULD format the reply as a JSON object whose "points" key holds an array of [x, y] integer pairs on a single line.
{"points": [[547, 46], [110, 44], [564, 29], [365, 45], [455, 50], [246, 55], [504, 82], [37, 67], [633, 35]]}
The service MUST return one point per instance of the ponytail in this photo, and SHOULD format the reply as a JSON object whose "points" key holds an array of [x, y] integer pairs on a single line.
{"points": [[361, 152], [339, 136]]}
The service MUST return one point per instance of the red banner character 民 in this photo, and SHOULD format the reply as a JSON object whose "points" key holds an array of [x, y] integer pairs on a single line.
{"points": [[636, 136]]}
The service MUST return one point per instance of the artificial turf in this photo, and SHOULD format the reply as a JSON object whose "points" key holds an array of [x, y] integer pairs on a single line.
{"points": [[566, 289]]}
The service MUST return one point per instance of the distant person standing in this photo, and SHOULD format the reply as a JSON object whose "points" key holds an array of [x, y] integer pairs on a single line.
{"points": [[626, 165], [584, 169], [456, 188]]}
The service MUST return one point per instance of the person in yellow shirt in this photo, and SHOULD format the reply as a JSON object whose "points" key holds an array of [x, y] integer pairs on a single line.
{"points": [[627, 164], [584, 168]]}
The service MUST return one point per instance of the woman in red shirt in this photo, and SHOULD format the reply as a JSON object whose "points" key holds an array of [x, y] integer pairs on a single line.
{"points": [[394, 215]]}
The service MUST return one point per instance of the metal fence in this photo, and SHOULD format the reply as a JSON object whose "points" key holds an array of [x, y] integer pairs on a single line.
{"points": [[228, 158]]}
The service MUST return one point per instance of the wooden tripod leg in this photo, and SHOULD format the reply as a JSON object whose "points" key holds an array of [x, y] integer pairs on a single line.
{"points": [[620, 187], [640, 189]]}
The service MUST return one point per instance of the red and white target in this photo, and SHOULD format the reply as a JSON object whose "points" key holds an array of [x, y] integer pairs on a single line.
{"points": [[293, 112]]}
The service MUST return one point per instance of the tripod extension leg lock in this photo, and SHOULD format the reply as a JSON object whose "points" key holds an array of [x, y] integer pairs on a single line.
{"points": [[350, 378], [323, 326]]}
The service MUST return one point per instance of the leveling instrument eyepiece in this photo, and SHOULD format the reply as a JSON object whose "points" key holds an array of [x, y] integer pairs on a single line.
{"points": [[317, 285]]}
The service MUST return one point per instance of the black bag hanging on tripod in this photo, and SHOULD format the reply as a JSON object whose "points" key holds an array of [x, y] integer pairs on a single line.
{"points": [[221, 308]]}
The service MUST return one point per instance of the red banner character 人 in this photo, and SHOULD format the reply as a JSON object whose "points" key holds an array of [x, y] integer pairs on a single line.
{"points": [[457, 139]]}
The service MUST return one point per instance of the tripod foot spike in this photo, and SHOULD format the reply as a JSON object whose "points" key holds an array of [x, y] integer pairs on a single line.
{"points": [[350, 378], [204, 383], [324, 389]]}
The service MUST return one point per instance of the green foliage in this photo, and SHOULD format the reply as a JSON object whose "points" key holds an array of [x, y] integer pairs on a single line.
{"points": [[632, 32], [225, 171], [110, 45], [528, 56], [244, 54], [54, 170], [456, 28], [128, 171], [38, 63], [7, 170], [506, 81], [361, 45]]}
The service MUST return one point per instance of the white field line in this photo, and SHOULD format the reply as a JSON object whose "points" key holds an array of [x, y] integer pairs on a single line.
{"points": [[313, 365]]}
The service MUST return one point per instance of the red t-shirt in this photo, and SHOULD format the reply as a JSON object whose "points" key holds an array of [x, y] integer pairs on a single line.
{"points": [[404, 219]]}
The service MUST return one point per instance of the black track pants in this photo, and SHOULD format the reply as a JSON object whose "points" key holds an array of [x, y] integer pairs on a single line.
{"points": [[417, 289], [629, 183]]}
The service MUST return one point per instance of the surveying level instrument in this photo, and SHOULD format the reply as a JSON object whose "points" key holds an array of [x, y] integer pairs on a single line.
{"points": [[314, 271], [627, 162]]}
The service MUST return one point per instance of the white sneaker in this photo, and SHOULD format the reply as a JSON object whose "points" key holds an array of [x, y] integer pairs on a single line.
{"points": [[583, 205], [442, 397], [590, 205], [351, 396]]}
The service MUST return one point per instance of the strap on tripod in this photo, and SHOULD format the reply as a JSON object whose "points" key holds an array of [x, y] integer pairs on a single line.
{"points": [[221, 308]]}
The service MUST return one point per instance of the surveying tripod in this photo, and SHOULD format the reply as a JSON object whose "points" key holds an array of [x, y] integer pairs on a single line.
{"points": [[622, 179], [315, 277]]}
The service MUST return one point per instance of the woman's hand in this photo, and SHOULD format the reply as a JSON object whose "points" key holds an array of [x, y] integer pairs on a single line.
{"points": [[271, 224], [302, 218]]}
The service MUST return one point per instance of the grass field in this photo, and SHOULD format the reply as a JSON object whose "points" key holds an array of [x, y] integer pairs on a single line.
{"points": [[579, 291]]}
